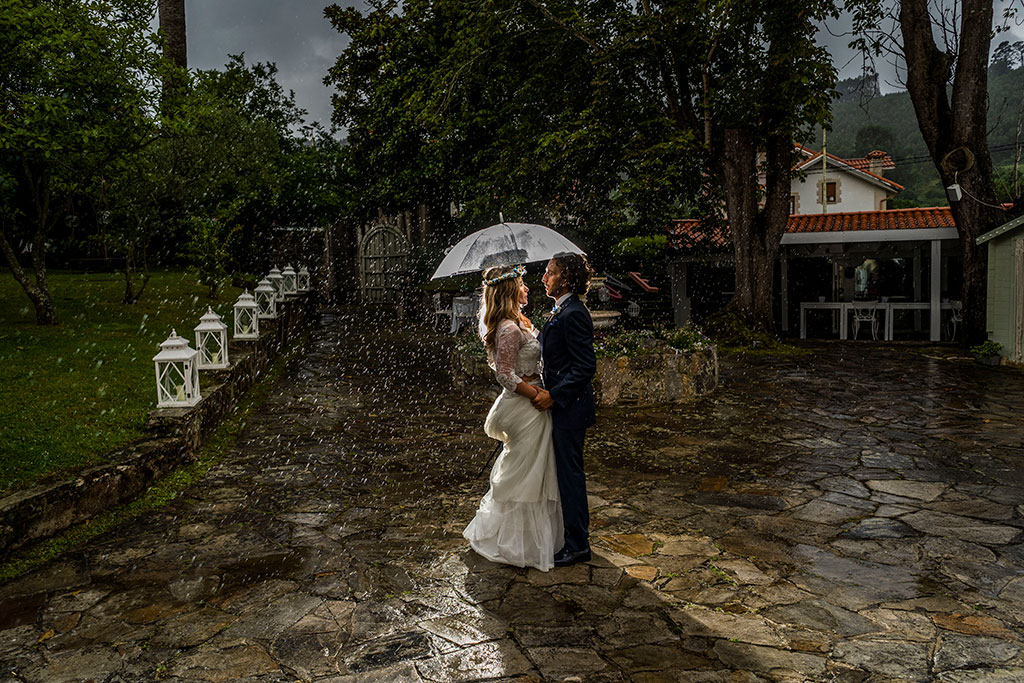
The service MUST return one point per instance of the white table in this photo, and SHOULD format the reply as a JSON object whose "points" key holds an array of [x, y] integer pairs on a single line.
{"points": [[822, 306], [846, 307], [911, 306]]}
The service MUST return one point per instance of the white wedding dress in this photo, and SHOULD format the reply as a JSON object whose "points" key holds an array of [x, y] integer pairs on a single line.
{"points": [[519, 521]]}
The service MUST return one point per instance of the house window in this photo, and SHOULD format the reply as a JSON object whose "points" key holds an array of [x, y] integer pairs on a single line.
{"points": [[792, 204], [831, 191]]}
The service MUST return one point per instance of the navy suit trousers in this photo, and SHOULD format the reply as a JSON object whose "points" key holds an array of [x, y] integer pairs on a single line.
{"points": [[572, 486]]}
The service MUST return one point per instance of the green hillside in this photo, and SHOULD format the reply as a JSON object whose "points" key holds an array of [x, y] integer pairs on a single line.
{"points": [[888, 123]]}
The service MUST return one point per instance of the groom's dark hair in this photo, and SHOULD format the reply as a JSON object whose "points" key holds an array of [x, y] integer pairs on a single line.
{"points": [[576, 271]]}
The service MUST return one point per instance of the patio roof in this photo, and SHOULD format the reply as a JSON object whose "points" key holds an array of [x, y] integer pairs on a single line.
{"points": [[1005, 227], [891, 225]]}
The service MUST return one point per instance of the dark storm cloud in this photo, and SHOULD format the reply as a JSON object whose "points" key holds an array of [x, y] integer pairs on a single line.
{"points": [[293, 34]]}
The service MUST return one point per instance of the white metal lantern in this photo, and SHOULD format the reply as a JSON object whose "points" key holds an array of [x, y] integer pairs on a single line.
{"points": [[177, 373], [247, 322], [289, 284], [277, 282], [302, 279], [266, 300], [212, 341]]}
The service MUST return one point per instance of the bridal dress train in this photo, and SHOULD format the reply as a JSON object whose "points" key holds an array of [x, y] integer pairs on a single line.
{"points": [[519, 521]]}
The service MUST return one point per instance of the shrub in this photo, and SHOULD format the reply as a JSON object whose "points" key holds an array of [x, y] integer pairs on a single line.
{"points": [[728, 329], [987, 348], [655, 340]]}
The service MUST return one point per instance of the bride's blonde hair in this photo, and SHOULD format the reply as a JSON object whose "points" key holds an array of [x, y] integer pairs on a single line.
{"points": [[501, 302]]}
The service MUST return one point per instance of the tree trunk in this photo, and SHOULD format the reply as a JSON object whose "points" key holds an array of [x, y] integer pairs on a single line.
{"points": [[954, 129], [756, 233], [172, 25], [39, 292]]}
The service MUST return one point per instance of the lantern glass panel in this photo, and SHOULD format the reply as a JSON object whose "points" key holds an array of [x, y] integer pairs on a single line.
{"points": [[244, 321], [266, 303], [172, 382], [210, 347]]}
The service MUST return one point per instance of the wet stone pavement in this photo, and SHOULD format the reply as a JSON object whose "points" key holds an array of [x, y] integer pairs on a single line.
{"points": [[850, 515]]}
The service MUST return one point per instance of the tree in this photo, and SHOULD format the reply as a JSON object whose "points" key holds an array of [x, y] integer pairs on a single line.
{"points": [[74, 95], [125, 198], [609, 118], [227, 160], [172, 26], [948, 86], [174, 75], [1007, 57]]}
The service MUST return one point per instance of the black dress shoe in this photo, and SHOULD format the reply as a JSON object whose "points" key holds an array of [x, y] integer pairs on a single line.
{"points": [[565, 558]]}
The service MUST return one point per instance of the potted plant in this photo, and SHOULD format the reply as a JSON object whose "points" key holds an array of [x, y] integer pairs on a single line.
{"points": [[987, 353]]}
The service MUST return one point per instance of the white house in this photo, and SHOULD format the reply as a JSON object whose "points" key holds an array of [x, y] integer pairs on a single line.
{"points": [[824, 183], [842, 245]]}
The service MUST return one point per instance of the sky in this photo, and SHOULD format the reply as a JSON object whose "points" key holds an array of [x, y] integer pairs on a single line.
{"points": [[295, 35]]}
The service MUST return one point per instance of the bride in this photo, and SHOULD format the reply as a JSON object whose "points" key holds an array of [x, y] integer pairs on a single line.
{"points": [[519, 521]]}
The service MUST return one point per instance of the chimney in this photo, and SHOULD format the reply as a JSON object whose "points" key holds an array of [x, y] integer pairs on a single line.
{"points": [[876, 161]]}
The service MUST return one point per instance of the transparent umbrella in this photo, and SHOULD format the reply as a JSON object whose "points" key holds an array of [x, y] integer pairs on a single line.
{"points": [[504, 244]]}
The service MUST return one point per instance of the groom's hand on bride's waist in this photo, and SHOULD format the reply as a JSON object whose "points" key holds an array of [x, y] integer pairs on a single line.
{"points": [[542, 401]]}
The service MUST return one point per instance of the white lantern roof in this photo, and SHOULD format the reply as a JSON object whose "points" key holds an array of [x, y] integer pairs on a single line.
{"points": [[303, 271], [245, 299], [264, 286], [175, 348], [288, 270], [275, 272], [210, 322]]}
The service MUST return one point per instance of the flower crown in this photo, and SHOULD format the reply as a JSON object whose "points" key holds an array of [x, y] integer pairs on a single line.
{"points": [[518, 271]]}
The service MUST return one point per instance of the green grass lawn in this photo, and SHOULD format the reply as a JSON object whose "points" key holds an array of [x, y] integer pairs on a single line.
{"points": [[72, 393]]}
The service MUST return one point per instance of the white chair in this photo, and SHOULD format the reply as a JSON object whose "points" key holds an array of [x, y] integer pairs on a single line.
{"points": [[956, 316], [464, 310], [864, 312], [440, 312]]}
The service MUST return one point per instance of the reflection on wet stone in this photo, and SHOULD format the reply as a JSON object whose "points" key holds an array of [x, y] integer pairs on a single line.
{"points": [[775, 530]]}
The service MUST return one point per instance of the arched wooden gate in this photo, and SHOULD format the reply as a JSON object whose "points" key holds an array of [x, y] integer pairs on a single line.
{"points": [[383, 265]]}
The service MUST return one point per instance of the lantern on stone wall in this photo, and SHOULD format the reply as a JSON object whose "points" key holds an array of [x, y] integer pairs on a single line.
{"points": [[212, 341], [266, 300], [177, 373], [247, 322], [289, 285], [277, 282], [302, 280]]}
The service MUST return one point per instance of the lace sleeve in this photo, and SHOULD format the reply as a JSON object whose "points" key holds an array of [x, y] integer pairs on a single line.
{"points": [[506, 349]]}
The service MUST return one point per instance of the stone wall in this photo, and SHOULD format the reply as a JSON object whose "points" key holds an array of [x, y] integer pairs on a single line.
{"points": [[174, 437], [656, 377], [660, 377]]}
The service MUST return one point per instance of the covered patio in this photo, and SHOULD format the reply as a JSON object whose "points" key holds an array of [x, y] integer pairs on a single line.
{"points": [[894, 273]]}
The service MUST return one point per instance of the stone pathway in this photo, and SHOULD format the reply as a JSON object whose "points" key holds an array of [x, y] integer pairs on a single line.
{"points": [[852, 515]]}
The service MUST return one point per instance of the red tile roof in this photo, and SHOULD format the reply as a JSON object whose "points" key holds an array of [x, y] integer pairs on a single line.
{"points": [[687, 233], [865, 164]]}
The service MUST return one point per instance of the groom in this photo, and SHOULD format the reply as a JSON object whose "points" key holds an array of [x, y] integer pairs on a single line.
{"points": [[567, 347]]}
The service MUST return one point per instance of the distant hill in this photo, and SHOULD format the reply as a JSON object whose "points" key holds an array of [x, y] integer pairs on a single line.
{"points": [[864, 121]]}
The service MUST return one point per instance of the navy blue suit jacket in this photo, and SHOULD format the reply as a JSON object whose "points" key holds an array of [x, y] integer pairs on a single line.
{"points": [[567, 347]]}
